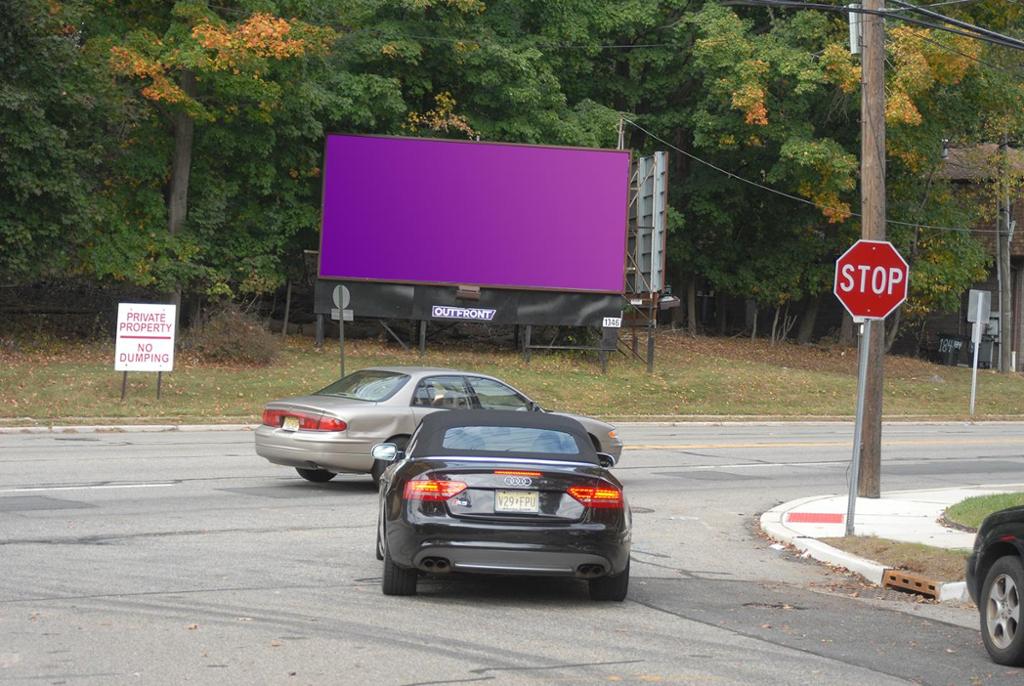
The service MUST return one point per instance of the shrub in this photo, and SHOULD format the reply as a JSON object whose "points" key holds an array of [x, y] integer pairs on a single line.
{"points": [[229, 335]]}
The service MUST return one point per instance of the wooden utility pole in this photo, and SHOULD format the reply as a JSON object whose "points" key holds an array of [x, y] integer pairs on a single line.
{"points": [[1003, 237], [872, 198]]}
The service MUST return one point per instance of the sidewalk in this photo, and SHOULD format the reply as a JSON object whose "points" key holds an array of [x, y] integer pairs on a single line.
{"points": [[909, 516]]}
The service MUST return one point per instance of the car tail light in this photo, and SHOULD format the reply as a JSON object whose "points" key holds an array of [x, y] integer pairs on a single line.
{"points": [[331, 424], [516, 472], [307, 421], [432, 490], [273, 417], [607, 497]]}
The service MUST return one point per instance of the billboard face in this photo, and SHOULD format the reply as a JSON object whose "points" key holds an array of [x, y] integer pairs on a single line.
{"points": [[448, 212]]}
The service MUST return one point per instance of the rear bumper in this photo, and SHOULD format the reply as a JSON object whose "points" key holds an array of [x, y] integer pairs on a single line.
{"points": [[479, 559], [542, 551], [314, 450]]}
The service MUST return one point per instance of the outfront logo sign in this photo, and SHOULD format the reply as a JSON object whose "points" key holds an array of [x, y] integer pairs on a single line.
{"points": [[472, 313]]}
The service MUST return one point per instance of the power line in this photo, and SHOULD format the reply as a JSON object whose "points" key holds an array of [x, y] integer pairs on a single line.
{"points": [[798, 4], [949, 2], [539, 44], [960, 24], [790, 196]]}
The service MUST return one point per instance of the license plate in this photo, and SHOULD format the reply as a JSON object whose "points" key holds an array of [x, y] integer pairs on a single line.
{"points": [[517, 501], [290, 424]]}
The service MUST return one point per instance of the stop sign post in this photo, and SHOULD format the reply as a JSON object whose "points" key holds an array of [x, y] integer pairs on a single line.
{"points": [[871, 281]]}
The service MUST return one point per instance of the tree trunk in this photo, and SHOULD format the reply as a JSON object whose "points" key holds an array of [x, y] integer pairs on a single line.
{"points": [[691, 306], [181, 165], [893, 330], [775, 325], [806, 330], [720, 313], [846, 331]]}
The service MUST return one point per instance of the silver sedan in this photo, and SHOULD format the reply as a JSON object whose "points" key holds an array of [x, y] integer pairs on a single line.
{"points": [[334, 429]]}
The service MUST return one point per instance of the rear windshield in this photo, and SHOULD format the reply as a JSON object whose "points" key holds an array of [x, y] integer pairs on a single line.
{"points": [[370, 385], [511, 439]]}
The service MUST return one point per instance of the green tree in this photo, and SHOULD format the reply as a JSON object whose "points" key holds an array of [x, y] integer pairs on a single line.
{"points": [[56, 115]]}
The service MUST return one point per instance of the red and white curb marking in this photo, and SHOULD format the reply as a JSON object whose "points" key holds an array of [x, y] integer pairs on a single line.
{"points": [[774, 524]]}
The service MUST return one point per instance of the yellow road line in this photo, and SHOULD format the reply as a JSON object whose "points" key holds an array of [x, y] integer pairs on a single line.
{"points": [[827, 444]]}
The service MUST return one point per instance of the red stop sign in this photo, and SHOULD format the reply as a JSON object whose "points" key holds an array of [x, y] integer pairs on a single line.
{"points": [[871, 279]]}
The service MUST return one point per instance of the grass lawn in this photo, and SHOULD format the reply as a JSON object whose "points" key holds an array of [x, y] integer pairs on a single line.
{"points": [[69, 382], [969, 513], [938, 564]]}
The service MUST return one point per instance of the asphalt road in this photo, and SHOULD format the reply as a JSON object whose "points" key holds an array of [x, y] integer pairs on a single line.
{"points": [[156, 558]]}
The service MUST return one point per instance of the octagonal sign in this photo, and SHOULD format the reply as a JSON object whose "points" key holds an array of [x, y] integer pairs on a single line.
{"points": [[871, 279]]}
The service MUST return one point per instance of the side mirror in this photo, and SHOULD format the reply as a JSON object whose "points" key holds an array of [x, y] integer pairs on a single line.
{"points": [[606, 460], [386, 452], [535, 406]]}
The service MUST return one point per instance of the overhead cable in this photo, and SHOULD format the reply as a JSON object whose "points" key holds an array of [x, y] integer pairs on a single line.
{"points": [[797, 4], [790, 196], [910, 7]]}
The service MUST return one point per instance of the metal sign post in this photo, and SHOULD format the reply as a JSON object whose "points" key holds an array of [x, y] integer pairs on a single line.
{"points": [[862, 379], [978, 310], [340, 312]]}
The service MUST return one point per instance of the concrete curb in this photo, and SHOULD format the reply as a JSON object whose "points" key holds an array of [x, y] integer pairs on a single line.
{"points": [[123, 428], [773, 525]]}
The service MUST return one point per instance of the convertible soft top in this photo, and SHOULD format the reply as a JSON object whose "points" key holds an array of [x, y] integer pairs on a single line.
{"points": [[430, 439]]}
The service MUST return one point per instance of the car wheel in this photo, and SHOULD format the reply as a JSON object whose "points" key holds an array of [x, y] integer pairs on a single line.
{"points": [[397, 580], [379, 466], [317, 476], [1000, 611], [610, 587]]}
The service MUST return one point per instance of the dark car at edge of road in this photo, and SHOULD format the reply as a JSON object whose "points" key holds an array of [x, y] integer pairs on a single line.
{"points": [[502, 492], [995, 580]]}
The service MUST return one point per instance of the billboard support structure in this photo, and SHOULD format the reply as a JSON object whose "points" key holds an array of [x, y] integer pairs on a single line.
{"points": [[645, 268]]}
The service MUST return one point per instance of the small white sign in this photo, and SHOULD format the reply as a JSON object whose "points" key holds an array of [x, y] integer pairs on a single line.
{"points": [[341, 298], [445, 312], [612, 323], [145, 338]]}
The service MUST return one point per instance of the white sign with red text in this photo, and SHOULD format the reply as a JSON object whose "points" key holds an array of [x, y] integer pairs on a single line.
{"points": [[145, 338]]}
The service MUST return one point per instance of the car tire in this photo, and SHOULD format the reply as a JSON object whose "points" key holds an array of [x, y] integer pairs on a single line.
{"points": [[379, 466], [1000, 610], [317, 476], [612, 588], [397, 580]]}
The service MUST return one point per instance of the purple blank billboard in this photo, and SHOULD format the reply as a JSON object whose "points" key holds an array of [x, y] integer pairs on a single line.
{"points": [[415, 210]]}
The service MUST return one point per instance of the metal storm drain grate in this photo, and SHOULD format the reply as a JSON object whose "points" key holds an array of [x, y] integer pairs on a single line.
{"points": [[904, 581]]}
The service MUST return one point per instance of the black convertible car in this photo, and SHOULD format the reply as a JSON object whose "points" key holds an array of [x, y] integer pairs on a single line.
{"points": [[995, 580], [502, 492]]}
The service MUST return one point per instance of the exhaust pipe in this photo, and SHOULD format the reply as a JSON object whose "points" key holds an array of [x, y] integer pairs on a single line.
{"points": [[590, 571], [435, 564]]}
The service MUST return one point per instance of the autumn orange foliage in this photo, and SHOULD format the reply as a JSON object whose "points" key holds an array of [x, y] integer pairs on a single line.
{"points": [[224, 47]]}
